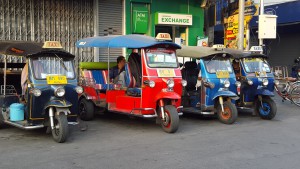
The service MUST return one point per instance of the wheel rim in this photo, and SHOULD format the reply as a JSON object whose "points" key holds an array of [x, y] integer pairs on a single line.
{"points": [[167, 122], [226, 114], [295, 95], [265, 110]]}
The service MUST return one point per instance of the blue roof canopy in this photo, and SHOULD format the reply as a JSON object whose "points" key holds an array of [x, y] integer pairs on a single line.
{"points": [[122, 41]]}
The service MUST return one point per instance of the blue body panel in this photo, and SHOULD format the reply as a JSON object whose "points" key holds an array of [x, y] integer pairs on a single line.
{"points": [[58, 102], [218, 90], [225, 93]]}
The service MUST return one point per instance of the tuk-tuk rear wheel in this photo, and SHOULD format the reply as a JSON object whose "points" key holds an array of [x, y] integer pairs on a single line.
{"points": [[1, 118], [269, 109], [171, 122], [229, 115], [61, 131], [86, 110]]}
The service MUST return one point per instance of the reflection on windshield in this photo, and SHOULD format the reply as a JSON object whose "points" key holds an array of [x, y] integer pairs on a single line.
{"points": [[44, 66], [161, 58], [256, 65], [212, 66]]}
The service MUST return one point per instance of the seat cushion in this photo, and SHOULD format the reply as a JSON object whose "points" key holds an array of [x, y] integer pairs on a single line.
{"points": [[134, 92]]}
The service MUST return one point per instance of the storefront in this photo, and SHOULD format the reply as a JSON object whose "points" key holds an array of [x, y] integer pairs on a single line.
{"points": [[183, 20], [62, 20]]}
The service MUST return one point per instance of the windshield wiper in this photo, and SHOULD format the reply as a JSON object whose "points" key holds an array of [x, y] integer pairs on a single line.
{"points": [[62, 62], [211, 59]]}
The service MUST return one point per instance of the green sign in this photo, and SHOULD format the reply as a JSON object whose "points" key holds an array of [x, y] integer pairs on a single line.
{"points": [[140, 20]]}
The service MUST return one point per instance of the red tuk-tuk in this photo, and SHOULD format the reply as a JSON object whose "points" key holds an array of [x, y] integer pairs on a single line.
{"points": [[153, 83]]}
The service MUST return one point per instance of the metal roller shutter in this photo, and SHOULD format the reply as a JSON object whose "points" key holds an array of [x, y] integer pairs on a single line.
{"points": [[110, 23], [41, 20]]}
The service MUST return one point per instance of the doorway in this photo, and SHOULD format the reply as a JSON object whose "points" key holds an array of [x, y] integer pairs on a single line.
{"points": [[175, 32]]}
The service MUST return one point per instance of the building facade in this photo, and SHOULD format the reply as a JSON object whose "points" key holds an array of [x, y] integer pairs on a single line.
{"points": [[283, 50], [69, 20]]}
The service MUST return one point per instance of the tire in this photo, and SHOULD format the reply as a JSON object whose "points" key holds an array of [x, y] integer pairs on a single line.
{"points": [[171, 122], [295, 95], [86, 110], [229, 115], [61, 131], [1, 118], [269, 110]]}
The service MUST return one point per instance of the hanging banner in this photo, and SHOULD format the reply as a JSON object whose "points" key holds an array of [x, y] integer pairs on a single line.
{"points": [[231, 25]]}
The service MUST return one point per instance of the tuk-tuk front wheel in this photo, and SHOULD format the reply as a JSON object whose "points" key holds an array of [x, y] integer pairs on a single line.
{"points": [[266, 109], [229, 115], [61, 129], [171, 122], [86, 110]]}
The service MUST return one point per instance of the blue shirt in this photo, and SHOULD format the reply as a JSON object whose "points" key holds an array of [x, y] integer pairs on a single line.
{"points": [[114, 72]]}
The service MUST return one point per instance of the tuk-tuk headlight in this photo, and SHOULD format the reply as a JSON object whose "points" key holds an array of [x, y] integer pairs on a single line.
{"points": [[226, 83], [59, 92], [36, 92], [79, 89], [298, 73], [238, 84], [265, 82], [170, 83], [250, 82], [151, 83], [184, 83], [276, 82]]}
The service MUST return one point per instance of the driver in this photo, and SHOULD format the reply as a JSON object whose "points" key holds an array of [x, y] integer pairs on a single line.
{"points": [[117, 73]]}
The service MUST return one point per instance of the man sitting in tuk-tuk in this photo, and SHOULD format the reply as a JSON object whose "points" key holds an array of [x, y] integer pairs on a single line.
{"points": [[117, 73]]}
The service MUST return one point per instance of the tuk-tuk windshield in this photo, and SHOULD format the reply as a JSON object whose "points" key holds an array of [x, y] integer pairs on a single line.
{"points": [[161, 58], [256, 65], [43, 66], [218, 64]]}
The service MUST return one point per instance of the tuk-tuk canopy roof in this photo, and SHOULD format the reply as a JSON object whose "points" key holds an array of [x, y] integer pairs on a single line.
{"points": [[198, 52], [239, 54], [28, 49], [133, 41], [20, 48]]}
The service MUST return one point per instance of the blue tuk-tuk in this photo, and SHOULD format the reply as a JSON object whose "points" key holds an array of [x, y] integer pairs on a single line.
{"points": [[210, 82], [42, 94], [257, 82]]}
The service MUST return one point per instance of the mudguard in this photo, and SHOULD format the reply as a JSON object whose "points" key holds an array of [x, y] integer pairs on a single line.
{"points": [[58, 103], [264, 92], [226, 93], [167, 95]]}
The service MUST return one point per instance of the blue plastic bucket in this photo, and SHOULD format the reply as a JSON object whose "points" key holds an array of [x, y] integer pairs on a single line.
{"points": [[16, 112]]}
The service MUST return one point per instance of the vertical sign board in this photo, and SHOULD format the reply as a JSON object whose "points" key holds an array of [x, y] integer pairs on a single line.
{"points": [[140, 19]]}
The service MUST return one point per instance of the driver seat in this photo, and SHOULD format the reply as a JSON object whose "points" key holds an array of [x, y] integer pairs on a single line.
{"points": [[190, 74]]}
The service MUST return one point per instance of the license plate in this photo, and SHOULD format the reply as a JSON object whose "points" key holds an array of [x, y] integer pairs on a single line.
{"points": [[165, 72], [222, 74], [56, 79], [261, 74]]}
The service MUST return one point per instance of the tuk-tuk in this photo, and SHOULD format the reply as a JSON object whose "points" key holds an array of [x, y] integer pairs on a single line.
{"points": [[48, 93], [153, 82], [210, 82], [257, 82]]}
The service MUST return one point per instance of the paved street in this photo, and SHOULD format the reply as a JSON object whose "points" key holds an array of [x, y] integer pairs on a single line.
{"points": [[131, 143]]}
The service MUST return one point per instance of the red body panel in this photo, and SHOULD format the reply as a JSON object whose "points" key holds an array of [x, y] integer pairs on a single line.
{"points": [[111, 95]]}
